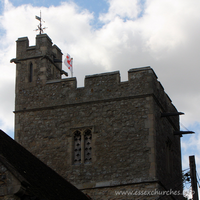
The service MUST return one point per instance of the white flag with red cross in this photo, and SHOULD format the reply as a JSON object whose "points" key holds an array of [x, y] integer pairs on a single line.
{"points": [[68, 63]]}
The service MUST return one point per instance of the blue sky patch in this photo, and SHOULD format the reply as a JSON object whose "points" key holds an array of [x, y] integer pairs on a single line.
{"points": [[95, 7], [142, 7]]}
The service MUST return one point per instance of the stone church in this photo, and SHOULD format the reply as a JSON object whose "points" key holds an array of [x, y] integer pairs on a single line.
{"points": [[112, 140]]}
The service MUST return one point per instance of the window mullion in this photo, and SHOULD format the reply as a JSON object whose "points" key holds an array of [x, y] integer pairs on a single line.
{"points": [[82, 148]]}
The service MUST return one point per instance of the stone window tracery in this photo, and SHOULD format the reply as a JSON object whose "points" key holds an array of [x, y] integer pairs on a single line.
{"points": [[88, 146], [82, 146], [77, 147]]}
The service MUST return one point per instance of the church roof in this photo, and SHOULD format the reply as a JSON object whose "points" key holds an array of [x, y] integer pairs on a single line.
{"points": [[38, 179]]}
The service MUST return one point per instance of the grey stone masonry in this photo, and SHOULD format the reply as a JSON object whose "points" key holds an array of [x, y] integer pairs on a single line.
{"points": [[130, 142], [9, 185]]}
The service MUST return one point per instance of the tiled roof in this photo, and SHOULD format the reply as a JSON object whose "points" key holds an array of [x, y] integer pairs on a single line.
{"points": [[39, 179]]}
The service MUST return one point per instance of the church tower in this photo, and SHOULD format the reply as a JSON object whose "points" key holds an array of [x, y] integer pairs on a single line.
{"points": [[35, 65], [107, 137], [39, 63]]}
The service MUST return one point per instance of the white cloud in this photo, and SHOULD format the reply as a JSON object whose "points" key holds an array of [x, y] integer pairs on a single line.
{"points": [[165, 36], [124, 9]]}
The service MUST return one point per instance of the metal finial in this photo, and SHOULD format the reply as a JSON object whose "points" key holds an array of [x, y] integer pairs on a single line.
{"points": [[40, 28]]}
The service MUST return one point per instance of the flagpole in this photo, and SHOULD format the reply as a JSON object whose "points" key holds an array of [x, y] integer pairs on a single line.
{"points": [[72, 67], [40, 23]]}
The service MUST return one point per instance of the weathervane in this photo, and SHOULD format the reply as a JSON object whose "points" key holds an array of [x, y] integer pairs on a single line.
{"points": [[40, 25]]}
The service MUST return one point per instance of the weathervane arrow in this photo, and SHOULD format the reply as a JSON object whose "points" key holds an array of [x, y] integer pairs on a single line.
{"points": [[40, 24]]}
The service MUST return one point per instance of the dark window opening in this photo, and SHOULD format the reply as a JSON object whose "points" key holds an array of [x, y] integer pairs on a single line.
{"points": [[88, 146], [82, 150], [31, 72], [77, 147]]}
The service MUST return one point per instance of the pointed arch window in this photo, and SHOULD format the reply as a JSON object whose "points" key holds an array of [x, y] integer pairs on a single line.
{"points": [[88, 146], [82, 146], [77, 147], [30, 72]]}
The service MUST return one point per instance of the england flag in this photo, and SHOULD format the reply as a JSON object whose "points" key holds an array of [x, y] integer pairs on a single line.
{"points": [[68, 63]]}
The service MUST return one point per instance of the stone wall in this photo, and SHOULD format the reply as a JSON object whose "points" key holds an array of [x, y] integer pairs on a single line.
{"points": [[118, 143], [168, 157], [150, 191], [44, 58], [129, 137], [122, 116]]}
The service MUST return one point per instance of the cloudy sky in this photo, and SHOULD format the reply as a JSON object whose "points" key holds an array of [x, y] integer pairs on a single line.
{"points": [[110, 35]]}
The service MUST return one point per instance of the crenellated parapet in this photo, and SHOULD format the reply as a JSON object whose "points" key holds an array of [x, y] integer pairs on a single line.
{"points": [[43, 46], [104, 79], [37, 64], [142, 82], [39, 84]]}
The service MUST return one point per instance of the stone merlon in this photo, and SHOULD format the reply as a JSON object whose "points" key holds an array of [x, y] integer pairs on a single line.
{"points": [[98, 87]]}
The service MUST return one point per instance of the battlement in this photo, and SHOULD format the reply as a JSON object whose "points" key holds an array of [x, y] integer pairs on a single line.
{"points": [[37, 64], [142, 82], [39, 83], [43, 45], [108, 78]]}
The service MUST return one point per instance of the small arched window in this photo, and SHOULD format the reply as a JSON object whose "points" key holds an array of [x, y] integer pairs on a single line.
{"points": [[31, 72], [88, 147], [82, 146], [77, 147]]}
